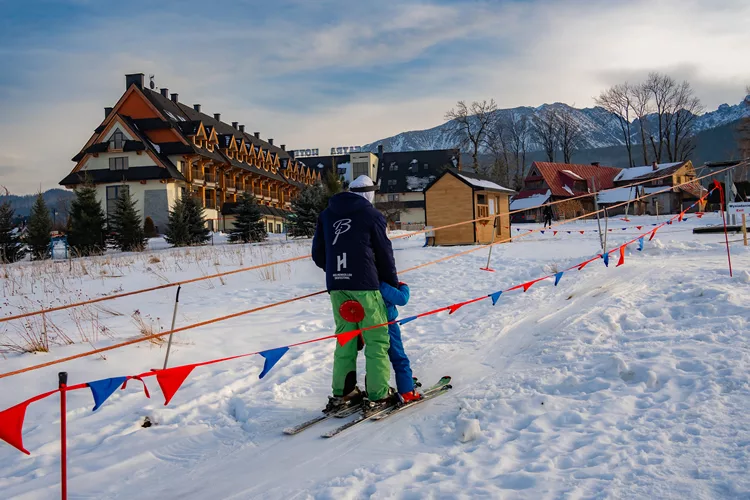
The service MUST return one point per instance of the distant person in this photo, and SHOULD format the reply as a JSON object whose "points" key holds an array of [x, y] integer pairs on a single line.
{"points": [[350, 244], [547, 213]]}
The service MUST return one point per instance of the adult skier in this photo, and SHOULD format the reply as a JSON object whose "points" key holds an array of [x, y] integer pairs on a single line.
{"points": [[547, 212], [350, 244]]}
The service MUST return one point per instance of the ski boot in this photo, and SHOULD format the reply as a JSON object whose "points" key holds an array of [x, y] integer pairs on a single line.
{"points": [[338, 403], [372, 407], [409, 397]]}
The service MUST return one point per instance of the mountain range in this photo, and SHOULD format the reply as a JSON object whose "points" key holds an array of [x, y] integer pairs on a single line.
{"points": [[57, 199], [601, 133]]}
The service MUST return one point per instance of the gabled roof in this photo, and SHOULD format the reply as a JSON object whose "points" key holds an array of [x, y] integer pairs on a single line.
{"points": [[529, 198], [476, 182], [648, 172], [558, 176], [402, 172], [99, 176]]}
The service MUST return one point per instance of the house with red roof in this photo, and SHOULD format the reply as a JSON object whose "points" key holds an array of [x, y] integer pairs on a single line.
{"points": [[547, 182]]}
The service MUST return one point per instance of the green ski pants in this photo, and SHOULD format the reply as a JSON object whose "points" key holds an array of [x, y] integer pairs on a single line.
{"points": [[377, 342]]}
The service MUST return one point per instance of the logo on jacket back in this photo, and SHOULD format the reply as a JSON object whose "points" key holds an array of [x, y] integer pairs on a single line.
{"points": [[340, 227]]}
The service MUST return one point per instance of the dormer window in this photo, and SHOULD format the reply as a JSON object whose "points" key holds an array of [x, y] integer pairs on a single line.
{"points": [[117, 140]]}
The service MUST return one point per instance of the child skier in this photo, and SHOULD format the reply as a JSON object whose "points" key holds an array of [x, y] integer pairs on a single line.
{"points": [[404, 382]]}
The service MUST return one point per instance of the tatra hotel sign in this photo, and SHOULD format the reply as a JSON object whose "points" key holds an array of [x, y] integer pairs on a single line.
{"points": [[337, 150]]}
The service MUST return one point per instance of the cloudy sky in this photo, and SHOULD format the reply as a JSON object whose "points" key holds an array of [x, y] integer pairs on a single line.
{"points": [[319, 73]]}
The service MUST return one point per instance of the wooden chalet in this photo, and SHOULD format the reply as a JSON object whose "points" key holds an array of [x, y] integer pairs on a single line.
{"points": [[548, 182], [160, 150], [459, 195], [653, 179]]}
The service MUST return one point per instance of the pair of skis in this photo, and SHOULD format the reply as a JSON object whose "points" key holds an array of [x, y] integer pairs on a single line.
{"points": [[441, 387]]}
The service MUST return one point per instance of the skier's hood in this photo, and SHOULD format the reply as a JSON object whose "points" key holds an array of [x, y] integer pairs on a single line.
{"points": [[347, 203]]}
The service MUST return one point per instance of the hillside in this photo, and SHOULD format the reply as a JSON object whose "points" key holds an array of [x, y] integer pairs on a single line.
{"points": [[57, 199], [602, 139]]}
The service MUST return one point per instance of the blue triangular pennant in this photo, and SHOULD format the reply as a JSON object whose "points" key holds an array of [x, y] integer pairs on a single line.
{"points": [[495, 297], [541, 232], [669, 222], [103, 389], [406, 320], [272, 357], [568, 232], [557, 277], [640, 244], [624, 228], [605, 257]]}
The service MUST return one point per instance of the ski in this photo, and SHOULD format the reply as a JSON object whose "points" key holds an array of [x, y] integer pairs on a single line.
{"points": [[427, 394], [351, 410], [438, 392]]}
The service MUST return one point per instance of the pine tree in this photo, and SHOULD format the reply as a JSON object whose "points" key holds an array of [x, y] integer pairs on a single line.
{"points": [[196, 219], [187, 224], [305, 210], [125, 224], [248, 226], [149, 229], [87, 223], [11, 247], [39, 229], [177, 233], [332, 184]]}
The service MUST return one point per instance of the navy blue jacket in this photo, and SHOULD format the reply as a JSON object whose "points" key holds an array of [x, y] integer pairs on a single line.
{"points": [[351, 245]]}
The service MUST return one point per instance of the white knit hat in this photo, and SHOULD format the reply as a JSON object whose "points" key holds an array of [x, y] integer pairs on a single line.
{"points": [[364, 187]]}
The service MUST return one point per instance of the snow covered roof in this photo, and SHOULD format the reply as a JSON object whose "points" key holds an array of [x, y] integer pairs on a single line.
{"points": [[530, 201], [414, 183], [485, 184], [573, 175], [629, 174], [617, 195]]}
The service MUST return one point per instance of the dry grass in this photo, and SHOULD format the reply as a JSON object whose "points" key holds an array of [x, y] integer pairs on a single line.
{"points": [[147, 327]]}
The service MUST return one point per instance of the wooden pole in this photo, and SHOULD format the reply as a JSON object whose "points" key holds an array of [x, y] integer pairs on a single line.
{"points": [[174, 318], [744, 229]]}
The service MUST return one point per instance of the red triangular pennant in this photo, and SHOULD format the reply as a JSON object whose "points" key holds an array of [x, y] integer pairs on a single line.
{"points": [[682, 214], [554, 233], [455, 307], [653, 233], [171, 379], [11, 425], [699, 215], [345, 337], [580, 232], [622, 256], [639, 227], [583, 264]]}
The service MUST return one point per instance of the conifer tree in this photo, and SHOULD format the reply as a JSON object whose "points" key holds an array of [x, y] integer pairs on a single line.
{"points": [[125, 225], [38, 231], [196, 219], [306, 208], [177, 233], [332, 184], [149, 229], [248, 226], [87, 223], [11, 247]]}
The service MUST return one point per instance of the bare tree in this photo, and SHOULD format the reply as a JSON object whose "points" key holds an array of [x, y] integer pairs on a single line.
{"points": [[685, 108], [641, 106], [498, 146], [392, 210], [544, 130], [569, 135], [662, 89], [617, 101], [472, 124], [743, 131], [518, 135]]}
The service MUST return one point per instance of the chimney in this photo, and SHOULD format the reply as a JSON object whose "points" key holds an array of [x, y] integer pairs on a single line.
{"points": [[595, 163], [135, 78], [107, 111], [234, 125], [654, 166], [283, 147], [217, 117], [197, 107], [242, 129], [257, 135], [164, 92], [174, 97], [270, 141]]}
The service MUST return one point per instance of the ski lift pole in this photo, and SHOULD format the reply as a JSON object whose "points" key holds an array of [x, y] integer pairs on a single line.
{"points": [[598, 219], [492, 244], [174, 318]]}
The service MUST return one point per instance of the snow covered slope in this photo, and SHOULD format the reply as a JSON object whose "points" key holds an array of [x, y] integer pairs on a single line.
{"points": [[599, 128], [628, 382]]}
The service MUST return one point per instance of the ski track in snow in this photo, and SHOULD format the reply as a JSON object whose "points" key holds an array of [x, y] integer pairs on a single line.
{"points": [[627, 382]]}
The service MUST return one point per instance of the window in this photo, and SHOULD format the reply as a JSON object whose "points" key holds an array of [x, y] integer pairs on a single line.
{"points": [[393, 197], [113, 194], [278, 228], [360, 168], [391, 182], [425, 166], [118, 163], [117, 140], [580, 185], [481, 199], [393, 167], [270, 227]]}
